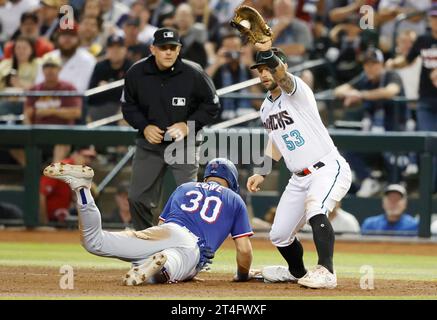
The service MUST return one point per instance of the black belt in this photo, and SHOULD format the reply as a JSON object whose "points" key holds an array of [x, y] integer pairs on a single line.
{"points": [[307, 171]]}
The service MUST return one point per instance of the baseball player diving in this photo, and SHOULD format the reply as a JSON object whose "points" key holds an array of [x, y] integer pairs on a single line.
{"points": [[196, 220], [320, 175]]}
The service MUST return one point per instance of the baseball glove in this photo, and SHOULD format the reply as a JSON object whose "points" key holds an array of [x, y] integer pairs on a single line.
{"points": [[251, 24]]}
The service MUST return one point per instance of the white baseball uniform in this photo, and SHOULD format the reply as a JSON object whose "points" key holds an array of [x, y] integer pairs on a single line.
{"points": [[294, 126]]}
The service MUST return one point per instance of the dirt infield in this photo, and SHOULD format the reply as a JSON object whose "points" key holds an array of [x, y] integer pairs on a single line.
{"points": [[44, 282], [25, 281], [420, 249]]}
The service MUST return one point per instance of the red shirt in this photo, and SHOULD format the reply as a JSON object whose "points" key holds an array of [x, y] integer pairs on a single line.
{"points": [[42, 46], [52, 102], [58, 194]]}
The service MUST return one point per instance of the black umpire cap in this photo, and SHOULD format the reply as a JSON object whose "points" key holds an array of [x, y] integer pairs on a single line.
{"points": [[165, 36], [278, 52]]}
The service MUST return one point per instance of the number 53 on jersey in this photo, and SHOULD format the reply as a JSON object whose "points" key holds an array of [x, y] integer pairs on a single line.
{"points": [[293, 140]]}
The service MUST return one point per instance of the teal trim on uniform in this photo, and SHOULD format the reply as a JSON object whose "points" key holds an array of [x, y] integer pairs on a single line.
{"points": [[295, 86], [269, 97], [335, 180]]}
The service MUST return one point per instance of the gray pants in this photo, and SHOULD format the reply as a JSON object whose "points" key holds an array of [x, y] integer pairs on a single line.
{"points": [[176, 242], [149, 168]]}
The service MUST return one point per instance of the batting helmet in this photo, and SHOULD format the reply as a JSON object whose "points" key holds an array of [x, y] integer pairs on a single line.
{"points": [[225, 169]]}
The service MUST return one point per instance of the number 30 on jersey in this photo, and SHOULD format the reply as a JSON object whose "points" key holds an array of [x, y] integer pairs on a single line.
{"points": [[293, 140], [211, 207]]}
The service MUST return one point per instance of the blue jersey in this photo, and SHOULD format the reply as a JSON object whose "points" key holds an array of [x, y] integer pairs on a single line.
{"points": [[208, 210], [407, 225]]}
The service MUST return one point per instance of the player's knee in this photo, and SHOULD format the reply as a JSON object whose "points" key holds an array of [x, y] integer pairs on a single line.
{"points": [[92, 246], [281, 238]]}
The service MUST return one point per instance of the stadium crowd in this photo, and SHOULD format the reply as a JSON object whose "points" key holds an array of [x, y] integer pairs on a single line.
{"points": [[370, 57]]}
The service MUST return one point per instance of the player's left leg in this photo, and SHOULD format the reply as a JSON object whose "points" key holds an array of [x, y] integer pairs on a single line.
{"points": [[328, 186]]}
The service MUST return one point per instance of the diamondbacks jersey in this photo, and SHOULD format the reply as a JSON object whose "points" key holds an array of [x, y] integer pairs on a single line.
{"points": [[294, 125], [208, 210]]}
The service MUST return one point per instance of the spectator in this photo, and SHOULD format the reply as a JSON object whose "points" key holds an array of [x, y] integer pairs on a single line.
{"points": [[9, 211], [18, 73], [55, 196], [350, 9], [90, 34], [53, 110], [426, 47], [146, 29], [29, 28], [290, 34], [10, 13], [374, 88], [410, 75], [160, 11], [388, 10], [224, 9], [49, 13], [193, 35], [203, 14], [112, 11], [113, 68], [92, 8], [232, 67], [121, 213], [136, 49], [394, 220], [77, 63], [434, 228]]}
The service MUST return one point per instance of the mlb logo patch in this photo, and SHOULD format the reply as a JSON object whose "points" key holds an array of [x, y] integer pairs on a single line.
{"points": [[178, 102], [168, 34]]}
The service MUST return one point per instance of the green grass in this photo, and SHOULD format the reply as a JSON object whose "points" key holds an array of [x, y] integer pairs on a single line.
{"points": [[393, 267]]}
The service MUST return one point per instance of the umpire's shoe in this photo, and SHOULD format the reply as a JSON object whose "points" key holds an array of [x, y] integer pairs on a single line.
{"points": [[319, 278], [142, 274], [76, 176]]}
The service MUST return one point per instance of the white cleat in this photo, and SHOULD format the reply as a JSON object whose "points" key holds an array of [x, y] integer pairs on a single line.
{"points": [[76, 176], [141, 274], [319, 278], [277, 274]]}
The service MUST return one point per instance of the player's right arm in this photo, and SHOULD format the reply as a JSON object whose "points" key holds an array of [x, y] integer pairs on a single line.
{"points": [[271, 153], [244, 258]]}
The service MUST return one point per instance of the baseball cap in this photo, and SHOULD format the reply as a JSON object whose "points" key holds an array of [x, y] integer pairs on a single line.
{"points": [[373, 55], [115, 39], [396, 188], [51, 60], [165, 36], [433, 10], [259, 61]]}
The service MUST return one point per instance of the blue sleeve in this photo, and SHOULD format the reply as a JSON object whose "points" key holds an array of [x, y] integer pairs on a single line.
{"points": [[241, 226], [167, 209], [366, 227]]}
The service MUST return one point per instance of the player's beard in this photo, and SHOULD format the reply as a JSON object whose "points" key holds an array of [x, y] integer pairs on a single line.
{"points": [[272, 86]]}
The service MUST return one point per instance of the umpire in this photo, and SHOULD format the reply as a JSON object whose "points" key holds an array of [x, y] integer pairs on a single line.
{"points": [[161, 94]]}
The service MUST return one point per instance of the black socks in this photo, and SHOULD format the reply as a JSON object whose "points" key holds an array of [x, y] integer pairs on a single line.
{"points": [[293, 254], [324, 239]]}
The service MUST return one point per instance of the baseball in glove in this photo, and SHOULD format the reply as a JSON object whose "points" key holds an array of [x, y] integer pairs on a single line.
{"points": [[251, 25]]}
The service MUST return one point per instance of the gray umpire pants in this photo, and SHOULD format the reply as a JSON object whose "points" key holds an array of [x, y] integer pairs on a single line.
{"points": [[149, 167]]}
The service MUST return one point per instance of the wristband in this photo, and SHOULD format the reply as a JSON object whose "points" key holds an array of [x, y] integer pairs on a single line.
{"points": [[266, 167], [270, 59]]}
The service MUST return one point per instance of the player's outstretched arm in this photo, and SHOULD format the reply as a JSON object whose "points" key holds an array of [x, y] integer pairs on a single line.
{"points": [[244, 258], [276, 66]]}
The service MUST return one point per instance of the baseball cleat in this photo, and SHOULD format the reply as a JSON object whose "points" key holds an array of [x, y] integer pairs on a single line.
{"points": [[319, 278], [141, 274], [76, 176], [277, 274]]}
